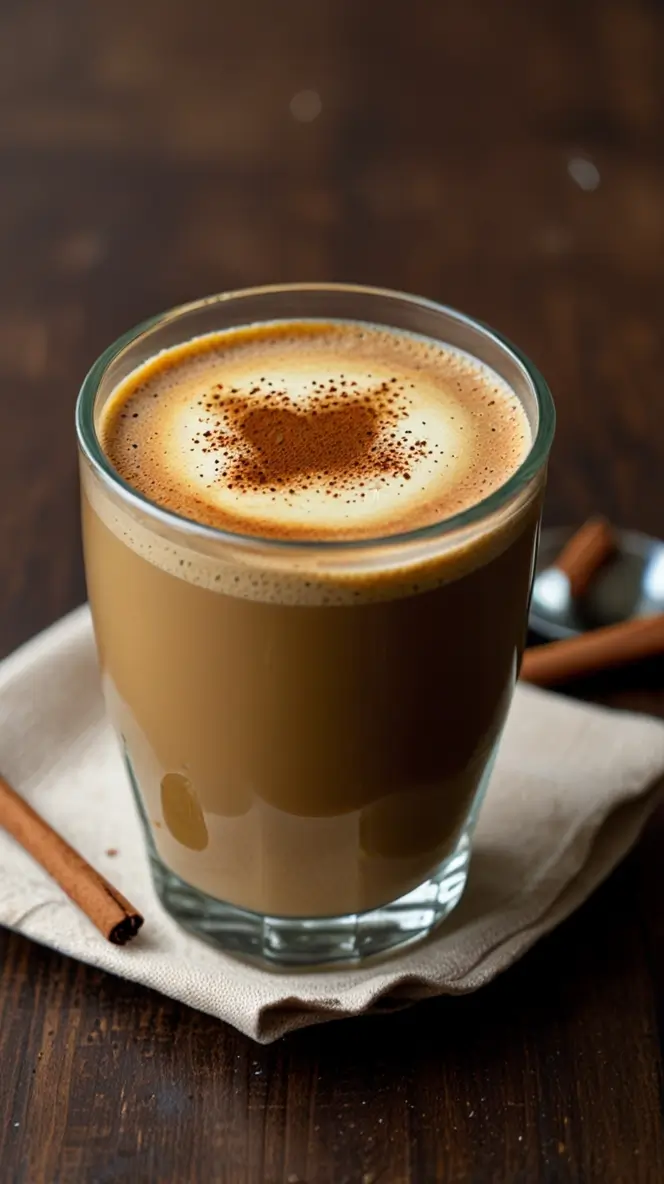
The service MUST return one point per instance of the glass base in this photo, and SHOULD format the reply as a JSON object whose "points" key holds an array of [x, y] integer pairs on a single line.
{"points": [[300, 942]]}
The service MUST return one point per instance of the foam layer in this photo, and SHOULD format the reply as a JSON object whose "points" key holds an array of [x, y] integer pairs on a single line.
{"points": [[314, 430]]}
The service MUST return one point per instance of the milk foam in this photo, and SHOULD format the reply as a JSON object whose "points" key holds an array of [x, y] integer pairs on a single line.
{"points": [[445, 429], [314, 431]]}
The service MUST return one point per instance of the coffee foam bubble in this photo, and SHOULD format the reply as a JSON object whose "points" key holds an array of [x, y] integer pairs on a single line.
{"points": [[308, 431]]}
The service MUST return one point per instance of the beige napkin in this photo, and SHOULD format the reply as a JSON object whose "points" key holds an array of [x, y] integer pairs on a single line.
{"points": [[571, 790]]}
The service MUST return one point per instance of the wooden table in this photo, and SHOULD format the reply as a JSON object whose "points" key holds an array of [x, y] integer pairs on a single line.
{"points": [[505, 158]]}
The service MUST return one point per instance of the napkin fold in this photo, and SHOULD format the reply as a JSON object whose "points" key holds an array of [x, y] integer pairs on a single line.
{"points": [[572, 788]]}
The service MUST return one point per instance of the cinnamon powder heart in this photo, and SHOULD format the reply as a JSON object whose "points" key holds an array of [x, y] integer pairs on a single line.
{"points": [[294, 444], [270, 443]]}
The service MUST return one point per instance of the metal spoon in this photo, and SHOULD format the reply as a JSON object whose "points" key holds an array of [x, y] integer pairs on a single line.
{"points": [[631, 584]]}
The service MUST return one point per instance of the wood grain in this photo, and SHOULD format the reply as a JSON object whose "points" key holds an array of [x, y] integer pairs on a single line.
{"points": [[506, 159]]}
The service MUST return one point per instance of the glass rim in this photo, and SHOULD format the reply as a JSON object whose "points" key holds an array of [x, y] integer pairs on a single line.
{"points": [[530, 466]]}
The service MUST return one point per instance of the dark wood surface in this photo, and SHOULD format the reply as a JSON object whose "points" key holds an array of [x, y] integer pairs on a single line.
{"points": [[506, 158]]}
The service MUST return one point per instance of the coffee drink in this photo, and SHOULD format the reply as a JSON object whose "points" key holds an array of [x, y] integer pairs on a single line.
{"points": [[307, 698]]}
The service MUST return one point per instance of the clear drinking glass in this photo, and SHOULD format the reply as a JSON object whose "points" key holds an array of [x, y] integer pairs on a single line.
{"points": [[309, 728]]}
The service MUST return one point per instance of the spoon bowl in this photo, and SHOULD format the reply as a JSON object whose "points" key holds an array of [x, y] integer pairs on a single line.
{"points": [[630, 584]]}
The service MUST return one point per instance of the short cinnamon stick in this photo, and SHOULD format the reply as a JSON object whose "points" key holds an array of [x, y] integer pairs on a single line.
{"points": [[107, 908], [585, 553], [589, 653]]}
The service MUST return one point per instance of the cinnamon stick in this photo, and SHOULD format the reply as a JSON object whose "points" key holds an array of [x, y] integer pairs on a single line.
{"points": [[107, 908], [589, 653], [585, 553]]}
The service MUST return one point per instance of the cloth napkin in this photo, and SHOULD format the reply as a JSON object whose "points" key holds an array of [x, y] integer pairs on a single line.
{"points": [[571, 790]]}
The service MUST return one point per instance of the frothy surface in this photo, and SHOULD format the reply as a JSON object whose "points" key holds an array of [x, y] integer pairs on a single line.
{"points": [[314, 430]]}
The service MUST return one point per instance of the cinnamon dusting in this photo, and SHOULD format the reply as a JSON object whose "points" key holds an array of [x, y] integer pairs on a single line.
{"points": [[267, 440]]}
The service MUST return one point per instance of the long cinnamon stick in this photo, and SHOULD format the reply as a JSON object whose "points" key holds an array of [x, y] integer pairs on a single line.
{"points": [[585, 553], [107, 908], [589, 653]]}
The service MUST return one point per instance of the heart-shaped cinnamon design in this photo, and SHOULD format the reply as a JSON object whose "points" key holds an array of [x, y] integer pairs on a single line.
{"points": [[294, 444], [270, 443]]}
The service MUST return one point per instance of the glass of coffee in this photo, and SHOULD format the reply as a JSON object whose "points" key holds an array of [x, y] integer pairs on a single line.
{"points": [[310, 517]]}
